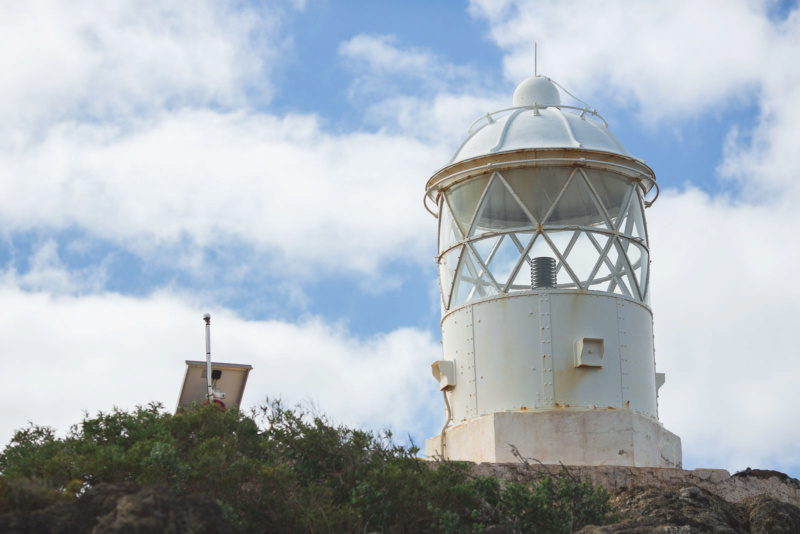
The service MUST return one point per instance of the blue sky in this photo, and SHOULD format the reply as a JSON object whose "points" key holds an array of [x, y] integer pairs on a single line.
{"points": [[265, 162]]}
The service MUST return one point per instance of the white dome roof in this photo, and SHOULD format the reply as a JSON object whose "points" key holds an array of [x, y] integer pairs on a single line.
{"points": [[538, 121]]}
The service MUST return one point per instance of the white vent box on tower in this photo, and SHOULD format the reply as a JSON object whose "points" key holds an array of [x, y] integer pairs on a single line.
{"points": [[445, 372], [589, 352]]}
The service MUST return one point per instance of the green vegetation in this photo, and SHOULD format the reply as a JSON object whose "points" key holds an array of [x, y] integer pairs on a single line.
{"points": [[278, 469]]}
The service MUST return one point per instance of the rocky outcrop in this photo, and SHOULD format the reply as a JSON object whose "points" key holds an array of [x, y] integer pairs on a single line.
{"points": [[649, 500], [692, 510], [123, 509]]}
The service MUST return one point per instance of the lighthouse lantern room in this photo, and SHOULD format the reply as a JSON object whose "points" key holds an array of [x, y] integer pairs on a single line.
{"points": [[544, 269]]}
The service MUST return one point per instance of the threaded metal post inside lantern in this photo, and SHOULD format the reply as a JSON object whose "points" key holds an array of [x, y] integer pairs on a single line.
{"points": [[543, 273]]}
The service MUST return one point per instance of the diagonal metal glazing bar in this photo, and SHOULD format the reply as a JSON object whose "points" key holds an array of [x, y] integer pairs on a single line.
{"points": [[449, 297], [562, 260], [635, 265], [628, 243], [604, 255], [517, 243], [638, 219], [521, 260], [643, 205], [631, 220], [484, 271], [617, 281], [493, 251], [476, 286], [627, 264], [615, 272], [439, 233], [629, 223], [623, 209], [568, 249], [519, 200], [442, 216], [523, 256], [596, 199], [642, 259], [560, 194], [602, 259], [479, 205], [459, 230]]}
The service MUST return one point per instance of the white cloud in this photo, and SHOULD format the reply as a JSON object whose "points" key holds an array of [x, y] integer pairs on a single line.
{"points": [[379, 52], [283, 186], [379, 60], [66, 354], [126, 143], [416, 93], [46, 272], [443, 119], [765, 162], [669, 58], [110, 60], [725, 308]]}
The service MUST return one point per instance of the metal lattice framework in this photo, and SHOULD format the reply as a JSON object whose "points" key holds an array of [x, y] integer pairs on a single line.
{"points": [[590, 220]]}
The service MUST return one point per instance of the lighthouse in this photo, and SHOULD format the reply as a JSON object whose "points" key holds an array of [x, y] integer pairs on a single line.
{"points": [[544, 270]]}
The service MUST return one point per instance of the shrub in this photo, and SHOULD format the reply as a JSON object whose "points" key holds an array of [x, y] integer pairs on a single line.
{"points": [[281, 469]]}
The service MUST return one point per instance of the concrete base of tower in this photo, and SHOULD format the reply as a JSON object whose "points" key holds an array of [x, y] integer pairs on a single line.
{"points": [[591, 437]]}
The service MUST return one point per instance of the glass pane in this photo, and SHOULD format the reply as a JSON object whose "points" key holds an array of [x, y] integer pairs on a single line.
{"points": [[600, 276], [581, 255], [561, 241], [603, 279], [626, 274], [614, 271], [638, 257], [449, 233], [644, 275], [538, 187], [464, 199], [484, 286], [471, 282], [612, 190], [632, 224], [577, 206], [507, 255], [499, 211], [487, 247], [463, 282], [447, 269], [522, 280]]}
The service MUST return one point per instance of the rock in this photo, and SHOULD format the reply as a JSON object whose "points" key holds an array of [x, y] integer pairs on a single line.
{"points": [[768, 516], [686, 510], [691, 510], [766, 474], [123, 508]]}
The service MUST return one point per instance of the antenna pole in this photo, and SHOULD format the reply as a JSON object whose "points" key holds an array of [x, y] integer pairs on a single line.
{"points": [[209, 392], [535, 58]]}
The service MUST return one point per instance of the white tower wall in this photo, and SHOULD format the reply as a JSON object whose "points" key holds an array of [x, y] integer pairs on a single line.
{"points": [[520, 353]]}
